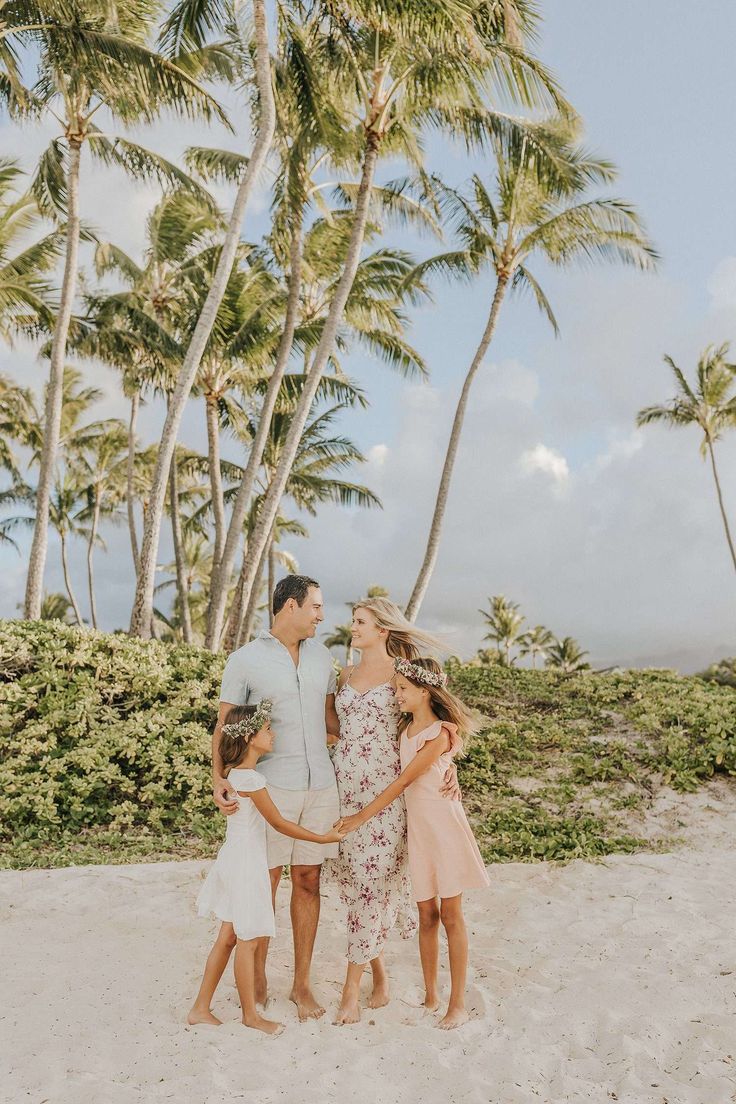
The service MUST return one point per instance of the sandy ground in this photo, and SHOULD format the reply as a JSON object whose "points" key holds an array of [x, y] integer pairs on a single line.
{"points": [[589, 982]]}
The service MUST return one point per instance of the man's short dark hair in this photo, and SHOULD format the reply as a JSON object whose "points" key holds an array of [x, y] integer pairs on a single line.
{"points": [[291, 586]]}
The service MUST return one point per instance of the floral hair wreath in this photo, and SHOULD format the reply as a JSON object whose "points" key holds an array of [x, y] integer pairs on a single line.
{"points": [[248, 726], [420, 674]]}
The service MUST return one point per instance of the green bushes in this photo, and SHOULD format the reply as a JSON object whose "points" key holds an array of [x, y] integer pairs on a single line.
{"points": [[105, 750]]}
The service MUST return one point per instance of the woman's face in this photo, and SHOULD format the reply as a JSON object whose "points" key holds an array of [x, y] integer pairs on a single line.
{"points": [[365, 630], [263, 739], [408, 696]]}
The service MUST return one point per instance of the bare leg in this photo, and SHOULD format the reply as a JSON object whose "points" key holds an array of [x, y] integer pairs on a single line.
{"points": [[429, 950], [349, 1010], [261, 984], [457, 943], [304, 920], [245, 953], [380, 995], [214, 968]]}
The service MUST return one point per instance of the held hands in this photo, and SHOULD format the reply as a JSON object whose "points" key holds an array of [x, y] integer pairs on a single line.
{"points": [[224, 797], [335, 835], [349, 823], [450, 787]]}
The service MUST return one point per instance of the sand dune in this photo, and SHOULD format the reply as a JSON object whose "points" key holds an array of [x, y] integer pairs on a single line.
{"points": [[590, 982]]}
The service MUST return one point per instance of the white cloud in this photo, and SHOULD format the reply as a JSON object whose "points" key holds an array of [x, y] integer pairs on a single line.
{"points": [[547, 461], [722, 285]]}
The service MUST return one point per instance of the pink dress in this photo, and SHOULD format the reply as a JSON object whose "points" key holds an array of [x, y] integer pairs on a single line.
{"points": [[444, 859], [372, 867]]}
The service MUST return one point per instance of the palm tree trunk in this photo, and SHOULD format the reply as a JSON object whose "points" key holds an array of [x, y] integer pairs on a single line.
{"points": [[223, 568], [52, 419], [68, 581], [181, 568], [216, 492], [349, 655], [276, 488], [729, 538], [271, 576], [129, 478], [246, 629], [143, 603], [435, 529], [90, 562]]}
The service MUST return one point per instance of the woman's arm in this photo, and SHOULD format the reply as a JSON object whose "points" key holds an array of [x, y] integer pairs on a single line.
{"points": [[265, 806], [424, 759]]}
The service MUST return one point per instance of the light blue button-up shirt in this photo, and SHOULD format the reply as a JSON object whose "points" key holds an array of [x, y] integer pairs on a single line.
{"points": [[264, 669]]}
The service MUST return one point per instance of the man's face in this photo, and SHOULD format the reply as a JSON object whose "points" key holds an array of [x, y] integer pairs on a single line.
{"points": [[309, 615]]}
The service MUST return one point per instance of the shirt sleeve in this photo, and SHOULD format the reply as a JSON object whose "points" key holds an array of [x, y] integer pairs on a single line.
{"points": [[332, 678], [249, 781], [235, 688]]}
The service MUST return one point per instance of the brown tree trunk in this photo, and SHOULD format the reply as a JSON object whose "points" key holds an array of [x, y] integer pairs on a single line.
{"points": [[246, 629], [90, 560], [52, 416], [443, 491], [68, 581], [181, 567], [721, 505], [271, 560], [216, 491], [130, 477]]}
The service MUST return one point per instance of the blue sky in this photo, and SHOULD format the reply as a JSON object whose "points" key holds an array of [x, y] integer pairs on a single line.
{"points": [[601, 532]]}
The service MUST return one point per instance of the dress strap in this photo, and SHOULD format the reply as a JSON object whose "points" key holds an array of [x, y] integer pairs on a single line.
{"points": [[347, 680]]}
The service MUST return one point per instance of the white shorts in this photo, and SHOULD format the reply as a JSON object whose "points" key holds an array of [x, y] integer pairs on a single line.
{"points": [[315, 810]]}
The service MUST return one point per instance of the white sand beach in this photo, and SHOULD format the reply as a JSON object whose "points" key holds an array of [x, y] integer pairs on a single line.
{"points": [[589, 982]]}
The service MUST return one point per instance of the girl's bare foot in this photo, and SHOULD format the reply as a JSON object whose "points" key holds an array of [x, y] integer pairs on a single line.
{"points": [[268, 1027], [347, 1013], [453, 1018], [202, 1016], [379, 998], [431, 1002]]}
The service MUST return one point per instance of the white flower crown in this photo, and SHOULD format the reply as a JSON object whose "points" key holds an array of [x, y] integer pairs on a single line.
{"points": [[420, 674], [248, 726]]}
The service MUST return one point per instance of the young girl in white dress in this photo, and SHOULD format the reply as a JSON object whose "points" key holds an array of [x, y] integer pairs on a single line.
{"points": [[238, 888]]}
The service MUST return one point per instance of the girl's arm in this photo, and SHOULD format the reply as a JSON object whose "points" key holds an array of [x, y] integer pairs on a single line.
{"points": [[265, 806], [424, 759]]}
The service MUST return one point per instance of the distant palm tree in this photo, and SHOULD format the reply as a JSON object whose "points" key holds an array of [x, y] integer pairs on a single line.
{"points": [[56, 607], [341, 637], [65, 508], [100, 473], [528, 214], [505, 627], [710, 405], [536, 643], [25, 287], [566, 656]]}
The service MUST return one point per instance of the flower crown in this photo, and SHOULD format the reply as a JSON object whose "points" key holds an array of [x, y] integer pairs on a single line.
{"points": [[420, 674], [248, 726]]}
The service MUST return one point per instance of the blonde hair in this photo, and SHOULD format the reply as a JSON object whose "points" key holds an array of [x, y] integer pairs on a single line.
{"points": [[404, 639], [443, 703]]}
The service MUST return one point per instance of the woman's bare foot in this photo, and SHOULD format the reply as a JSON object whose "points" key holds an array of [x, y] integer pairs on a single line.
{"points": [[268, 1027], [379, 998], [202, 1016], [453, 1018], [306, 1006], [348, 1012]]}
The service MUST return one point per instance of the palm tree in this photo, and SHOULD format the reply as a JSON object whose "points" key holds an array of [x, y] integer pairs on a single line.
{"points": [[536, 643], [100, 473], [341, 637], [710, 405], [25, 290], [89, 56], [56, 607], [531, 214], [505, 627], [566, 656], [405, 67], [65, 509], [187, 25]]}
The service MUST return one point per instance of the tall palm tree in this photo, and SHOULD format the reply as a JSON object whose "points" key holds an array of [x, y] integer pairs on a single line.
{"points": [[536, 643], [405, 67], [187, 26], [566, 656], [86, 56], [528, 214], [710, 405], [505, 627]]}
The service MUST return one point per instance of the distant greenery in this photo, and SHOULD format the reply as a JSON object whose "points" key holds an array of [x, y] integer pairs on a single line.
{"points": [[105, 751]]}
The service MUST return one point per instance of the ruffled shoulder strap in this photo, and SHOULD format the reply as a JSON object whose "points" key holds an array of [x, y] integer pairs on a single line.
{"points": [[456, 741]]}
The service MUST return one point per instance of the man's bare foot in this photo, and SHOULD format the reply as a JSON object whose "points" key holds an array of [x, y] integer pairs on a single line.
{"points": [[379, 998], [348, 1012], [306, 1006], [202, 1016], [268, 1027], [453, 1018]]}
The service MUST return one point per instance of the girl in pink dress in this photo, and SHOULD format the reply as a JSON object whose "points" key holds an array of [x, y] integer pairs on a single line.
{"points": [[444, 859]]}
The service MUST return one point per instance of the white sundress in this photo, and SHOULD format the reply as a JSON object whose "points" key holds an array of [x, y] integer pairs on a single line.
{"points": [[238, 887]]}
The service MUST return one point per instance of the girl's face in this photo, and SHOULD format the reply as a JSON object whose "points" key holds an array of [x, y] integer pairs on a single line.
{"points": [[409, 697], [263, 739], [365, 630]]}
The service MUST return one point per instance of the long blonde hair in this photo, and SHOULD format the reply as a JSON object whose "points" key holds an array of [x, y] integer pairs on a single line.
{"points": [[404, 639]]}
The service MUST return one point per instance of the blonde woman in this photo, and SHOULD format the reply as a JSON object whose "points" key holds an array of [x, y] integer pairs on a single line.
{"points": [[372, 867]]}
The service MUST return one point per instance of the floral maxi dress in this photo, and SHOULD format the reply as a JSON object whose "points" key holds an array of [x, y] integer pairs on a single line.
{"points": [[372, 867]]}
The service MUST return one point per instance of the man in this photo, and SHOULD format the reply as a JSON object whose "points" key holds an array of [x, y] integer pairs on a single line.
{"points": [[289, 667]]}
